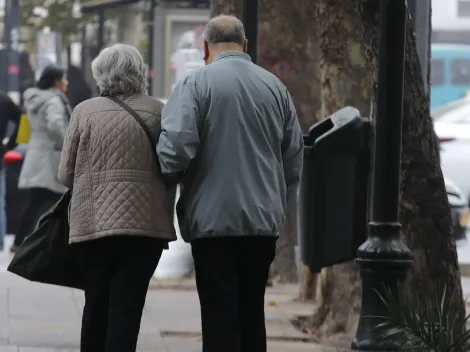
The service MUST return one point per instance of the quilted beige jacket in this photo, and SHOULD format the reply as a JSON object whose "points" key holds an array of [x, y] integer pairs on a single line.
{"points": [[108, 163]]}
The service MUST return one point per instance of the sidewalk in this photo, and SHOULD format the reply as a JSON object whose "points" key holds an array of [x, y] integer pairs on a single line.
{"points": [[43, 318]]}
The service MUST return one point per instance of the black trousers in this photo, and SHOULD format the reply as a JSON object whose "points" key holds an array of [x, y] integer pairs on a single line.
{"points": [[38, 201], [231, 276], [117, 271]]}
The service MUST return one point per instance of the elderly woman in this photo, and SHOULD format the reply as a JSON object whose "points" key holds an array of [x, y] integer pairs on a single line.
{"points": [[119, 219]]}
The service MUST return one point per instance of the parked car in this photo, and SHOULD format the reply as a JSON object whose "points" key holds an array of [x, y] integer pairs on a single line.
{"points": [[452, 126], [459, 209]]}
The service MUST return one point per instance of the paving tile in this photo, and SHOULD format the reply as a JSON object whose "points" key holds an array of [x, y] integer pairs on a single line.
{"points": [[45, 349], [8, 348], [183, 344], [4, 323]]}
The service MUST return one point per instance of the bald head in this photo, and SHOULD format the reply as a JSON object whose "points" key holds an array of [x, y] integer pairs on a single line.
{"points": [[224, 30]]}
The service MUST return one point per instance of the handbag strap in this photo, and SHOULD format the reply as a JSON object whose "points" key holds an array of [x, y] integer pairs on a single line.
{"points": [[142, 124]]}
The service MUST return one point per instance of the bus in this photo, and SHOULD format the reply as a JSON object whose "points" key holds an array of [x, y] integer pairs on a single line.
{"points": [[450, 73]]}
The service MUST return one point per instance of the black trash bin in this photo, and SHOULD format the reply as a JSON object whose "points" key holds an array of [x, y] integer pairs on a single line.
{"points": [[334, 189]]}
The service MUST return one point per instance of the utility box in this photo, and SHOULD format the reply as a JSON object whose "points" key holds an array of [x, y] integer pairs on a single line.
{"points": [[334, 189]]}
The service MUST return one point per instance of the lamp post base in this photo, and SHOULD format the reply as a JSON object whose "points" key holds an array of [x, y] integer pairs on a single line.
{"points": [[384, 260]]}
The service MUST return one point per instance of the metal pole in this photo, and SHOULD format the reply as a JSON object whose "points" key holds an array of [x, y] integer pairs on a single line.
{"points": [[251, 21], [151, 28], [384, 259], [84, 49], [101, 21], [13, 35]]}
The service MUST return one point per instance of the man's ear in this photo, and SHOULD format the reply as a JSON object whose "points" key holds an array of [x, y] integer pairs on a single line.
{"points": [[206, 51], [245, 46]]}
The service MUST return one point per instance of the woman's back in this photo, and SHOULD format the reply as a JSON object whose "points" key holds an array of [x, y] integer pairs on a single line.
{"points": [[48, 116], [117, 187]]}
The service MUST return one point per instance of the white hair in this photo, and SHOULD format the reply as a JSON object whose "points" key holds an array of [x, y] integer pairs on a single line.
{"points": [[120, 70]]}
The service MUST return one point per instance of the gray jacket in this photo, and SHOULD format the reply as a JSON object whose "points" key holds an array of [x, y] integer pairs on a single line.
{"points": [[231, 127], [48, 114]]}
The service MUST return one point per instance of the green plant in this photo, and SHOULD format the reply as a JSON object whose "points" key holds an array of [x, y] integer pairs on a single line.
{"points": [[431, 323]]}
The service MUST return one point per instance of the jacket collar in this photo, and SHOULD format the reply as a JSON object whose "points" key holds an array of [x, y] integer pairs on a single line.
{"points": [[233, 55]]}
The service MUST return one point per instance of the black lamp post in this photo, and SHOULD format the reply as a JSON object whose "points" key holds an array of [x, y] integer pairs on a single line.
{"points": [[12, 35], [384, 259], [250, 22], [151, 29]]}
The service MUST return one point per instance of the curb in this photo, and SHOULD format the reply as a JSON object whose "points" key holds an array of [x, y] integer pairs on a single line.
{"points": [[198, 335]]}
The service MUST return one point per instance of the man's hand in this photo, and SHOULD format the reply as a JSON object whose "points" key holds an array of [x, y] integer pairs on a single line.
{"points": [[171, 180]]}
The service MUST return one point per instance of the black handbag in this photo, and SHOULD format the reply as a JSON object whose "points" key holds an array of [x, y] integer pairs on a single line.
{"points": [[45, 255]]}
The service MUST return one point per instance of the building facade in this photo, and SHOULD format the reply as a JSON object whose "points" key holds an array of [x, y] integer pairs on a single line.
{"points": [[451, 21]]}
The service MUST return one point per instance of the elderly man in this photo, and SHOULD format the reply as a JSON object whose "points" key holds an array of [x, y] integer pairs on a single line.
{"points": [[232, 130]]}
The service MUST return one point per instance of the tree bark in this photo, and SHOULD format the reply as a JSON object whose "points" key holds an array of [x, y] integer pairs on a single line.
{"points": [[424, 208], [130, 24], [287, 48], [344, 82]]}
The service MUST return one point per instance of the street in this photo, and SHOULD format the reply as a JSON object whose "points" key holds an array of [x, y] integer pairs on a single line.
{"points": [[43, 318]]}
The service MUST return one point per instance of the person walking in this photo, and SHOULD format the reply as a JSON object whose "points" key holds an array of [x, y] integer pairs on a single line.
{"points": [[119, 212], [48, 112], [231, 130], [9, 124]]}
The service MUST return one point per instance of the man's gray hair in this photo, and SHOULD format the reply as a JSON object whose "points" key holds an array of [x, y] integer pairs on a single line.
{"points": [[224, 29], [120, 69]]}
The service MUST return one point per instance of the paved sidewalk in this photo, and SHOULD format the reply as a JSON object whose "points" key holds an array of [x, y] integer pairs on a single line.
{"points": [[43, 318]]}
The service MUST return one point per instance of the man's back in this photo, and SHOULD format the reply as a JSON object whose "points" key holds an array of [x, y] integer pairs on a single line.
{"points": [[236, 185], [232, 131]]}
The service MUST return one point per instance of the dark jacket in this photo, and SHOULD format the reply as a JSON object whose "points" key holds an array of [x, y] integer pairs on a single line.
{"points": [[9, 123]]}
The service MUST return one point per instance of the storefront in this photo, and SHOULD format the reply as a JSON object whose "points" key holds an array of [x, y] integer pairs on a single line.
{"points": [[177, 45]]}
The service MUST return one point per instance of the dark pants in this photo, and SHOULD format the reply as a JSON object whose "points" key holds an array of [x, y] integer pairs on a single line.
{"points": [[38, 201], [231, 276], [117, 271]]}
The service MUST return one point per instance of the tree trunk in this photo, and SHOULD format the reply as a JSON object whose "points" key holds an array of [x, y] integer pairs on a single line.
{"points": [[130, 24], [424, 208], [344, 82], [287, 48]]}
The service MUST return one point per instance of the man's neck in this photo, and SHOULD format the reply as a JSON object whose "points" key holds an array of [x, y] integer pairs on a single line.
{"points": [[222, 48]]}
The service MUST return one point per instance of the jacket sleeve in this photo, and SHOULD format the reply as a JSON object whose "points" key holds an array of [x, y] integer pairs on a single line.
{"points": [[179, 139], [292, 150], [55, 120], [68, 156]]}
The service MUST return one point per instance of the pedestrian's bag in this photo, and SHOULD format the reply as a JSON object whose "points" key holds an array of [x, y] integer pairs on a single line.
{"points": [[24, 130], [45, 255]]}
